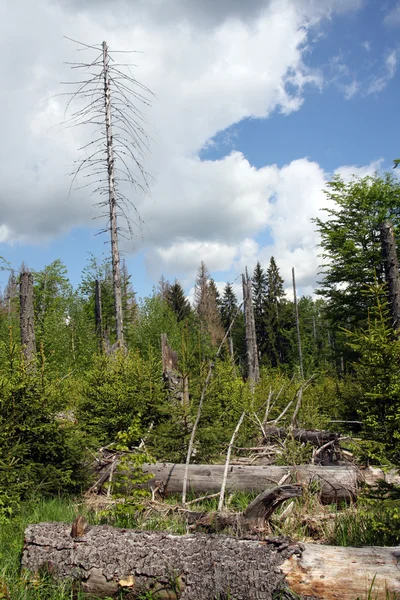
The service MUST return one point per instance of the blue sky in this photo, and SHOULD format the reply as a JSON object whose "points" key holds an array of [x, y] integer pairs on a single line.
{"points": [[258, 104]]}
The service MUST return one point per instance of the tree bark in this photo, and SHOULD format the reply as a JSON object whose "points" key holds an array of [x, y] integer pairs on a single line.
{"points": [[112, 199], [107, 560], [27, 321], [296, 310], [391, 263], [317, 438], [98, 314], [202, 566], [253, 371]]}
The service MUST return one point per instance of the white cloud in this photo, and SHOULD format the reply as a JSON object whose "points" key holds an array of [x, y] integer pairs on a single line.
{"points": [[348, 172], [379, 82], [211, 65], [351, 89], [392, 18]]}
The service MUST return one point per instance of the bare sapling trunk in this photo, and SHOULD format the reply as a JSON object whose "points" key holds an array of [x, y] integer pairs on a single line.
{"points": [[98, 314], [389, 252], [203, 394], [296, 309], [227, 462], [27, 322], [112, 204]]}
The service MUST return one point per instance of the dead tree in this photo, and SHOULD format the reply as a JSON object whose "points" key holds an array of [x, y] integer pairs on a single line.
{"points": [[109, 562], [253, 371], [389, 252], [27, 323], [296, 310], [108, 100], [98, 314]]}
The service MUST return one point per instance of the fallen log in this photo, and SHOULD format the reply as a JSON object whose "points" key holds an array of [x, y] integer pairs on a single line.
{"points": [[335, 483], [333, 572], [107, 560], [314, 437], [199, 567]]}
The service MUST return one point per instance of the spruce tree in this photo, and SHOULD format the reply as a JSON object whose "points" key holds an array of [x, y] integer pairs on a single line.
{"points": [[229, 306], [177, 300], [206, 303], [260, 289], [273, 325]]}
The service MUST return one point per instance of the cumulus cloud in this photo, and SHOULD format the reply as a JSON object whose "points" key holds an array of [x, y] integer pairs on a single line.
{"points": [[211, 64]]}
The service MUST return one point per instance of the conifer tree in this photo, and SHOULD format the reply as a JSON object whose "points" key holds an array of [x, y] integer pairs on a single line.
{"points": [[260, 289], [207, 304], [273, 305], [177, 300]]}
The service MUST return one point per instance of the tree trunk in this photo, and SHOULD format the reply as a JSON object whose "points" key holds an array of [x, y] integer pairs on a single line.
{"points": [[336, 483], [200, 567], [112, 203], [336, 573], [98, 314], [253, 371], [27, 321], [389, 252], [296, 311]]}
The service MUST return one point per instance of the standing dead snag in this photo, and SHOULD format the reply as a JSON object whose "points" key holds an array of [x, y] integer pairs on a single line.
{"points": [[27, 323], [389, 252], [253, 371], [110, 98]]}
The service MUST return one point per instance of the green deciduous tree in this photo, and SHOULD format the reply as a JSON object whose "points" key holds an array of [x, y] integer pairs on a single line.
{"points": [[350, 242]]}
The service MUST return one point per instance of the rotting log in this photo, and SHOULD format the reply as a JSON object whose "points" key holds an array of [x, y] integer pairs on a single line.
{"points": [[105, 560], [314, 437], [203, 566], [337, 573], [334, 483]]}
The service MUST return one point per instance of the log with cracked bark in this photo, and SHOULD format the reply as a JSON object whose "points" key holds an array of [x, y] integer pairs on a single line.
{"points": [[105, 560], [203, 566]]}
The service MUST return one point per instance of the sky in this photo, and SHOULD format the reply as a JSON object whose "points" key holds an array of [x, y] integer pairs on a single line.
{"points": [[257, 104]]}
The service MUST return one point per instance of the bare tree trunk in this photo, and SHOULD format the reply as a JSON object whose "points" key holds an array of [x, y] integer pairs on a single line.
{"points": [[253, 373], [98, 314], [112, 203], [296, 308], [389, 252], [27, 322]]}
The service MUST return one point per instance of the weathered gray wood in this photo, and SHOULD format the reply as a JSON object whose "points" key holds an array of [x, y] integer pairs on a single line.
{"points": [[336, 573], [253, 371], [27, 324], [296, 310], [203, 566], [112, 199], [391, 263], [336, 483]]}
